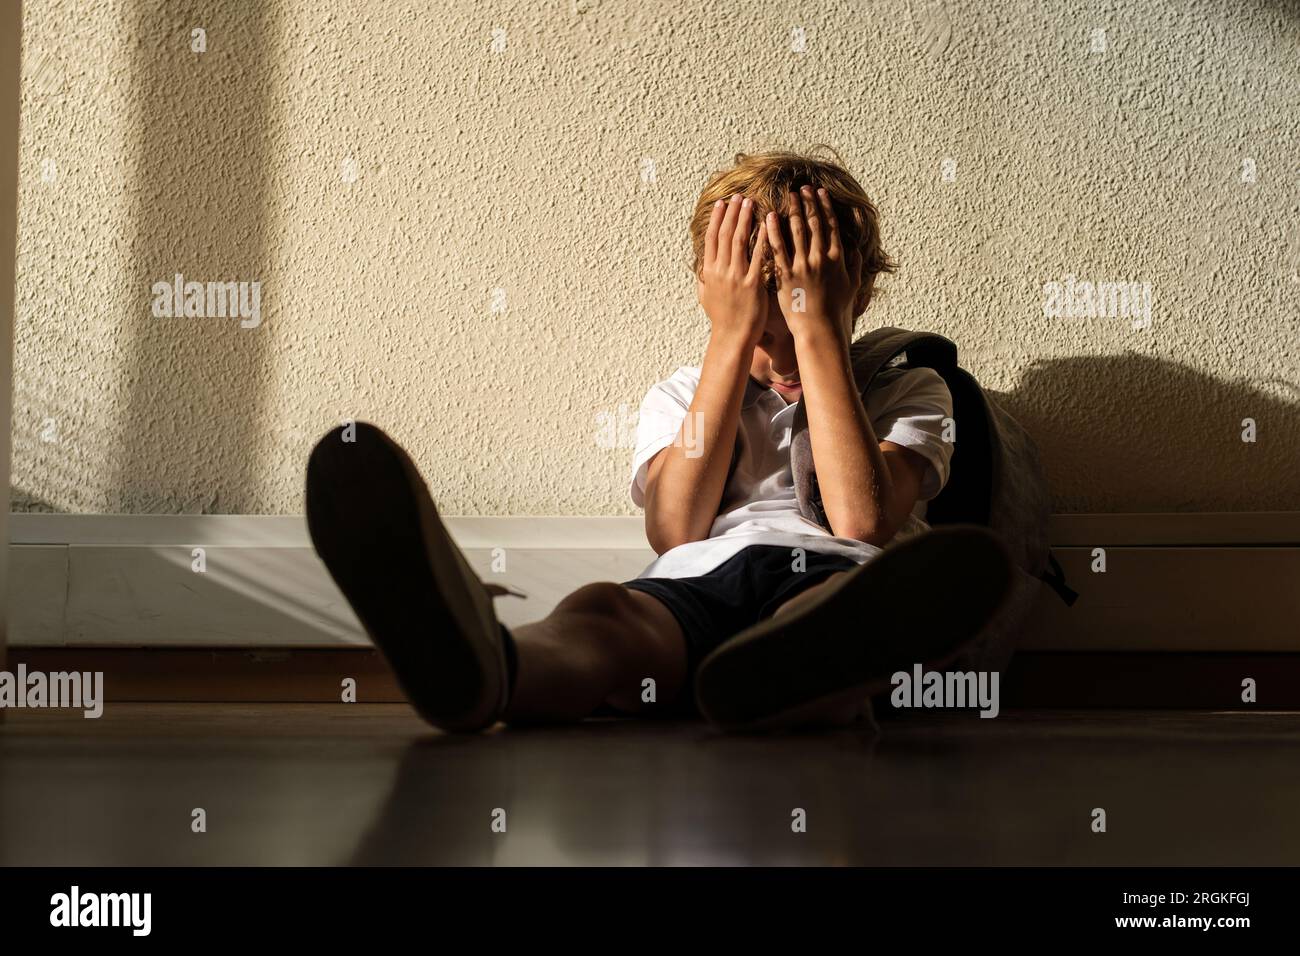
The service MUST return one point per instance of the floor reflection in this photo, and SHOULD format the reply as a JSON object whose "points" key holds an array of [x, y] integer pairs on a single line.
{"points": [[325, 785], [620, 792]]}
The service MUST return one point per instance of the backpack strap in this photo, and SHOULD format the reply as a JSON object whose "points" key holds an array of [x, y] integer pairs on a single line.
{"points": [[867, 356], [1054, 577], [879, 347]]}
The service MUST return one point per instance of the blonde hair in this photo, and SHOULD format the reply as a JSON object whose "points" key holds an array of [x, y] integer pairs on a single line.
{"points": [[767, 177]]}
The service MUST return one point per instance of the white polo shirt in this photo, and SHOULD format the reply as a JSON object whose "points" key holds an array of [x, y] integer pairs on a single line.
{"points": [[759, 506]]}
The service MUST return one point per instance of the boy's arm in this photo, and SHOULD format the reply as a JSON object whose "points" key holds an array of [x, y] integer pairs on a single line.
{"points": [[685, 481], [868, 488]]}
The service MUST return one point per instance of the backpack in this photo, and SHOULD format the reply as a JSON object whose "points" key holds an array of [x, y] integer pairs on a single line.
{"points": [[995, 480]]}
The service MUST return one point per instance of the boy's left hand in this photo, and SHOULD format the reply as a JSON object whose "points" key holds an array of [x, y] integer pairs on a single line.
{"points": [[817, 265]]}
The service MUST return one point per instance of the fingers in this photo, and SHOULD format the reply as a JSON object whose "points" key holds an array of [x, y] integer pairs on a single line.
{"points": [[740, 238], [811, 216], [794, 214], [729, 232], [725, 232], [760, 245], [814, 230], [711, 236], [833, 247], [777, 241]]}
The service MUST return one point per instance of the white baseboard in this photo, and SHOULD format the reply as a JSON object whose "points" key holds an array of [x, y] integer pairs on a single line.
{"points": [[1193, 582], [129, 580]]}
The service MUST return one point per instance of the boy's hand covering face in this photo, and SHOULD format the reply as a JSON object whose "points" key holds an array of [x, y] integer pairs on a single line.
{"points": [[731, 287], [816, 281]]}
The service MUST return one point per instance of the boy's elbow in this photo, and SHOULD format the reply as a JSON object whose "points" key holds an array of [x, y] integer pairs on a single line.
{"points": [[874, 533], [880, 538], [660, 546], [663, 538], [662, 542], [867, 537], [665, 529]]}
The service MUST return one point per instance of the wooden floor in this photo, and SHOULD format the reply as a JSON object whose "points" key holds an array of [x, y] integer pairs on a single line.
{"points": [[368, 784]]}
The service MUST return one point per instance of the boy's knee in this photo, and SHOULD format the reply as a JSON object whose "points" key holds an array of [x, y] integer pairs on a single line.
{"points": [[623, 627], [602, 599]]}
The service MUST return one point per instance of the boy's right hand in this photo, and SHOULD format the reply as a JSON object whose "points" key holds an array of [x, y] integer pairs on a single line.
{"points": [[731, 289]]}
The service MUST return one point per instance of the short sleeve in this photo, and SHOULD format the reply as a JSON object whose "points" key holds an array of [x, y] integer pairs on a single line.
{"points": [[662, 412], [908, 407]]}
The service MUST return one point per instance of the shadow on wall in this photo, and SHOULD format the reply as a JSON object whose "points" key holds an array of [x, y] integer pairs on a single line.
{"points": [[197, 387], [1134, 433]]}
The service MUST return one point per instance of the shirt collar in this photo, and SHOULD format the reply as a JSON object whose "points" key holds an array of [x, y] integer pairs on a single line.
{"points": [[753, 392], [775, 406]]}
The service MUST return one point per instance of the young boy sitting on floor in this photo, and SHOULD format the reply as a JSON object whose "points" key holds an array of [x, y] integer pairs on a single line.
{"points": [[754, 614]]}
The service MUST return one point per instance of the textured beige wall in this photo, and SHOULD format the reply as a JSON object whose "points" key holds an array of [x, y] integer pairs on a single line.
{"points": [[520, 161], [10, 50]]}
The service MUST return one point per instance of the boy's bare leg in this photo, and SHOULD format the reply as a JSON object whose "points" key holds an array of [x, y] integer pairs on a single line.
{"points": [[596, 647]]}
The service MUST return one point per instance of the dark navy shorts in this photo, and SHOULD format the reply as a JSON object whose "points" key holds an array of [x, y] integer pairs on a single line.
{"points": [[737, 594]]}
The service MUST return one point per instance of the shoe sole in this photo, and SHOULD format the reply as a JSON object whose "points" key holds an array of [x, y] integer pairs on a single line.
{"points": [[921, 601], [377, 530]]}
